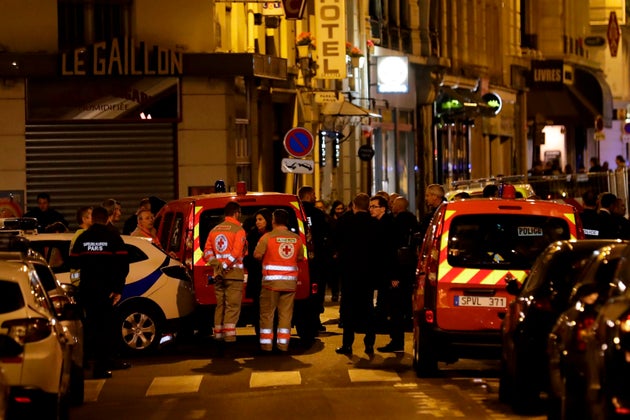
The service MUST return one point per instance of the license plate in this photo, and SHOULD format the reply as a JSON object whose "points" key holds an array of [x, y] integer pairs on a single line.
{"points": [[481, 301]]}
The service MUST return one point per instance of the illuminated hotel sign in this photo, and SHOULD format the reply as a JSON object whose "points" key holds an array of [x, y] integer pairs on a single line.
{"points": [[330, 19], [120, 57]]}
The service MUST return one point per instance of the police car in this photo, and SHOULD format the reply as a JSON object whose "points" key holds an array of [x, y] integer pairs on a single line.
{"points": [[158, 293]]}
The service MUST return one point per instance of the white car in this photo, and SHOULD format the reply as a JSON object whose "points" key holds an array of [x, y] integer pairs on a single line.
{"points": [[38, 365], [158, 291]]}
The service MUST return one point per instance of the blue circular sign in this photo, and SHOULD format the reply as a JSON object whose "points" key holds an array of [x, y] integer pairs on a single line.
{"points": [[626, 128], [298, 142]]}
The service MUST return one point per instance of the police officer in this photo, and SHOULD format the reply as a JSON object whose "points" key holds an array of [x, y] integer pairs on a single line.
{"points": [[101, 256], [280, 250], [320, 234], [224, 251]]}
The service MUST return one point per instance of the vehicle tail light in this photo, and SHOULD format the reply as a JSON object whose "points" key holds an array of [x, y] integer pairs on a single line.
{"points": [[428, 316], [583, 325], [543, 304], [28, 330]]}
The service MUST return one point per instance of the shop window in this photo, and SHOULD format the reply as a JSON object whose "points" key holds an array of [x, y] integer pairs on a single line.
{"points": [[82, 22]]}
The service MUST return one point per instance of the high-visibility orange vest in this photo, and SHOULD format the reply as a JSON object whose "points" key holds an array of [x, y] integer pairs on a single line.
{"points": [[227, 244], [281, 249]]}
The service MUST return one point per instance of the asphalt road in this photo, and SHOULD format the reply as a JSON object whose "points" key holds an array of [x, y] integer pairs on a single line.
{"points": [[186, 380]]}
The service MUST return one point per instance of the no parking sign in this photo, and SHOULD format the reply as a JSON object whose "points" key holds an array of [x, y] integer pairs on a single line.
{"points": [[298, 142]]}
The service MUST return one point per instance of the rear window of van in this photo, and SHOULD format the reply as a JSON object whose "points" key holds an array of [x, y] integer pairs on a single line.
{"points": [[502, 241], [211, 218]]}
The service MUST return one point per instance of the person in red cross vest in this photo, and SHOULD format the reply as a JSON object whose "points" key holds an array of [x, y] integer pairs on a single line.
{"points": [[280, 250], [224, 251]]}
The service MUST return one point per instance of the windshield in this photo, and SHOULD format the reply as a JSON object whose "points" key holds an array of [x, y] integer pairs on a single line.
{"points": [[502, 241]]}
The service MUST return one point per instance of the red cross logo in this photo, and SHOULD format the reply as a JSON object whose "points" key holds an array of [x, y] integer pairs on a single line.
{"points": [[287, 251], [220, 243]]}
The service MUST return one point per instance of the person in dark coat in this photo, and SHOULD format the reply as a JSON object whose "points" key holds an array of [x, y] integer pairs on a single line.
{"points": [[618, 211], [45, 215], [588, 215], [379, 210], [337, 209], [320, 234], [101, 258], [399, 312], [359, 252], [262, 225], [608, 227]]}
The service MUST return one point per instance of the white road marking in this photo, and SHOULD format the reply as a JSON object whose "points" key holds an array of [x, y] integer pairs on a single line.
{"points": [[372, 375], [265, 379], [93, 389], [162, 385]]}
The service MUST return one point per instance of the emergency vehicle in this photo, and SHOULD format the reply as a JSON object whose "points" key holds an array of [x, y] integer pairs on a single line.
{"points": [[472, 248], [183, 226]]}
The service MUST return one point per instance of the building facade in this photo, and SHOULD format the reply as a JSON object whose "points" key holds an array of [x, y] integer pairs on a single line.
{"points": [[130, 98]]}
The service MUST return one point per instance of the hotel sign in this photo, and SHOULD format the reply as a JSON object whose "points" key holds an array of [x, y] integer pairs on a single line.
{"points": [[120, 57], [330, 23]]}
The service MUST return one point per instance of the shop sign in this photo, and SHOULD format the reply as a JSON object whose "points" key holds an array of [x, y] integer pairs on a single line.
{"points": [[493, 101], [118, 98], [547, 74], [392, 74], [330, 21], [120, 57]]}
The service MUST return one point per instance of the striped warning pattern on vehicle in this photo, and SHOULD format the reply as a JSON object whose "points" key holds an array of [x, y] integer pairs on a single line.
{"points": [[197, 247]]}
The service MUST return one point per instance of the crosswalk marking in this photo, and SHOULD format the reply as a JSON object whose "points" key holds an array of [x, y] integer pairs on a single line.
{"points": [[372, 375], [162, 385], [265, 379], [92, 389]]}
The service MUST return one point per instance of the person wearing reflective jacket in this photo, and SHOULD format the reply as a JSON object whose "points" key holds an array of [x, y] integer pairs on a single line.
{"points": [[224, 251], [280, 250]]}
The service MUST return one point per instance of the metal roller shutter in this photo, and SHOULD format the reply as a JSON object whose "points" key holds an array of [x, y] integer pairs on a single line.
{"points": [[84, 164]]}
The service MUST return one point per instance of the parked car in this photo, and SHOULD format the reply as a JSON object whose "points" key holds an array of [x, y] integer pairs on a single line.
{"points": [[60, 300], [39, 372], [566, 344], [530, 317], [608, 350], [470, 250], [8, 349], [158, 294]]}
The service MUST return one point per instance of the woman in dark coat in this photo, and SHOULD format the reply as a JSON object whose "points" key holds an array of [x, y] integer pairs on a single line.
{"points": [[262, 225]]}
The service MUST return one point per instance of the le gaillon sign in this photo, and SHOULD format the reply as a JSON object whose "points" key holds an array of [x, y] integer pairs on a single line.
{"points": [[121, 57]]}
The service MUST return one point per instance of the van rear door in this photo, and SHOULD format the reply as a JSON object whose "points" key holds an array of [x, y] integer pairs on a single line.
{"points": [[479, 252]]}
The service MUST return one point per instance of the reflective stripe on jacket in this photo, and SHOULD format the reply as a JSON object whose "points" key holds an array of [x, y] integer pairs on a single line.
{"points": [[281, 250], [227, 244]]}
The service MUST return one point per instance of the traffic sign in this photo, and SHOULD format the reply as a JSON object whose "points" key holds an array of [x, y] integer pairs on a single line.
{"points": [[366, 152], [613, 34], [297, 166], [298, 142]]}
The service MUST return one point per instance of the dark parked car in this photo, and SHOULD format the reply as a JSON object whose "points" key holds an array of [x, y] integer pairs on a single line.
{"points": [[608, 350], [530, 317], [567, 343]]}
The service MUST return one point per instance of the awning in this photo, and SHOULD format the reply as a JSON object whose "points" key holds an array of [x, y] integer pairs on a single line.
{"points": [[453, 101], [577, 103], [347, 109]]}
